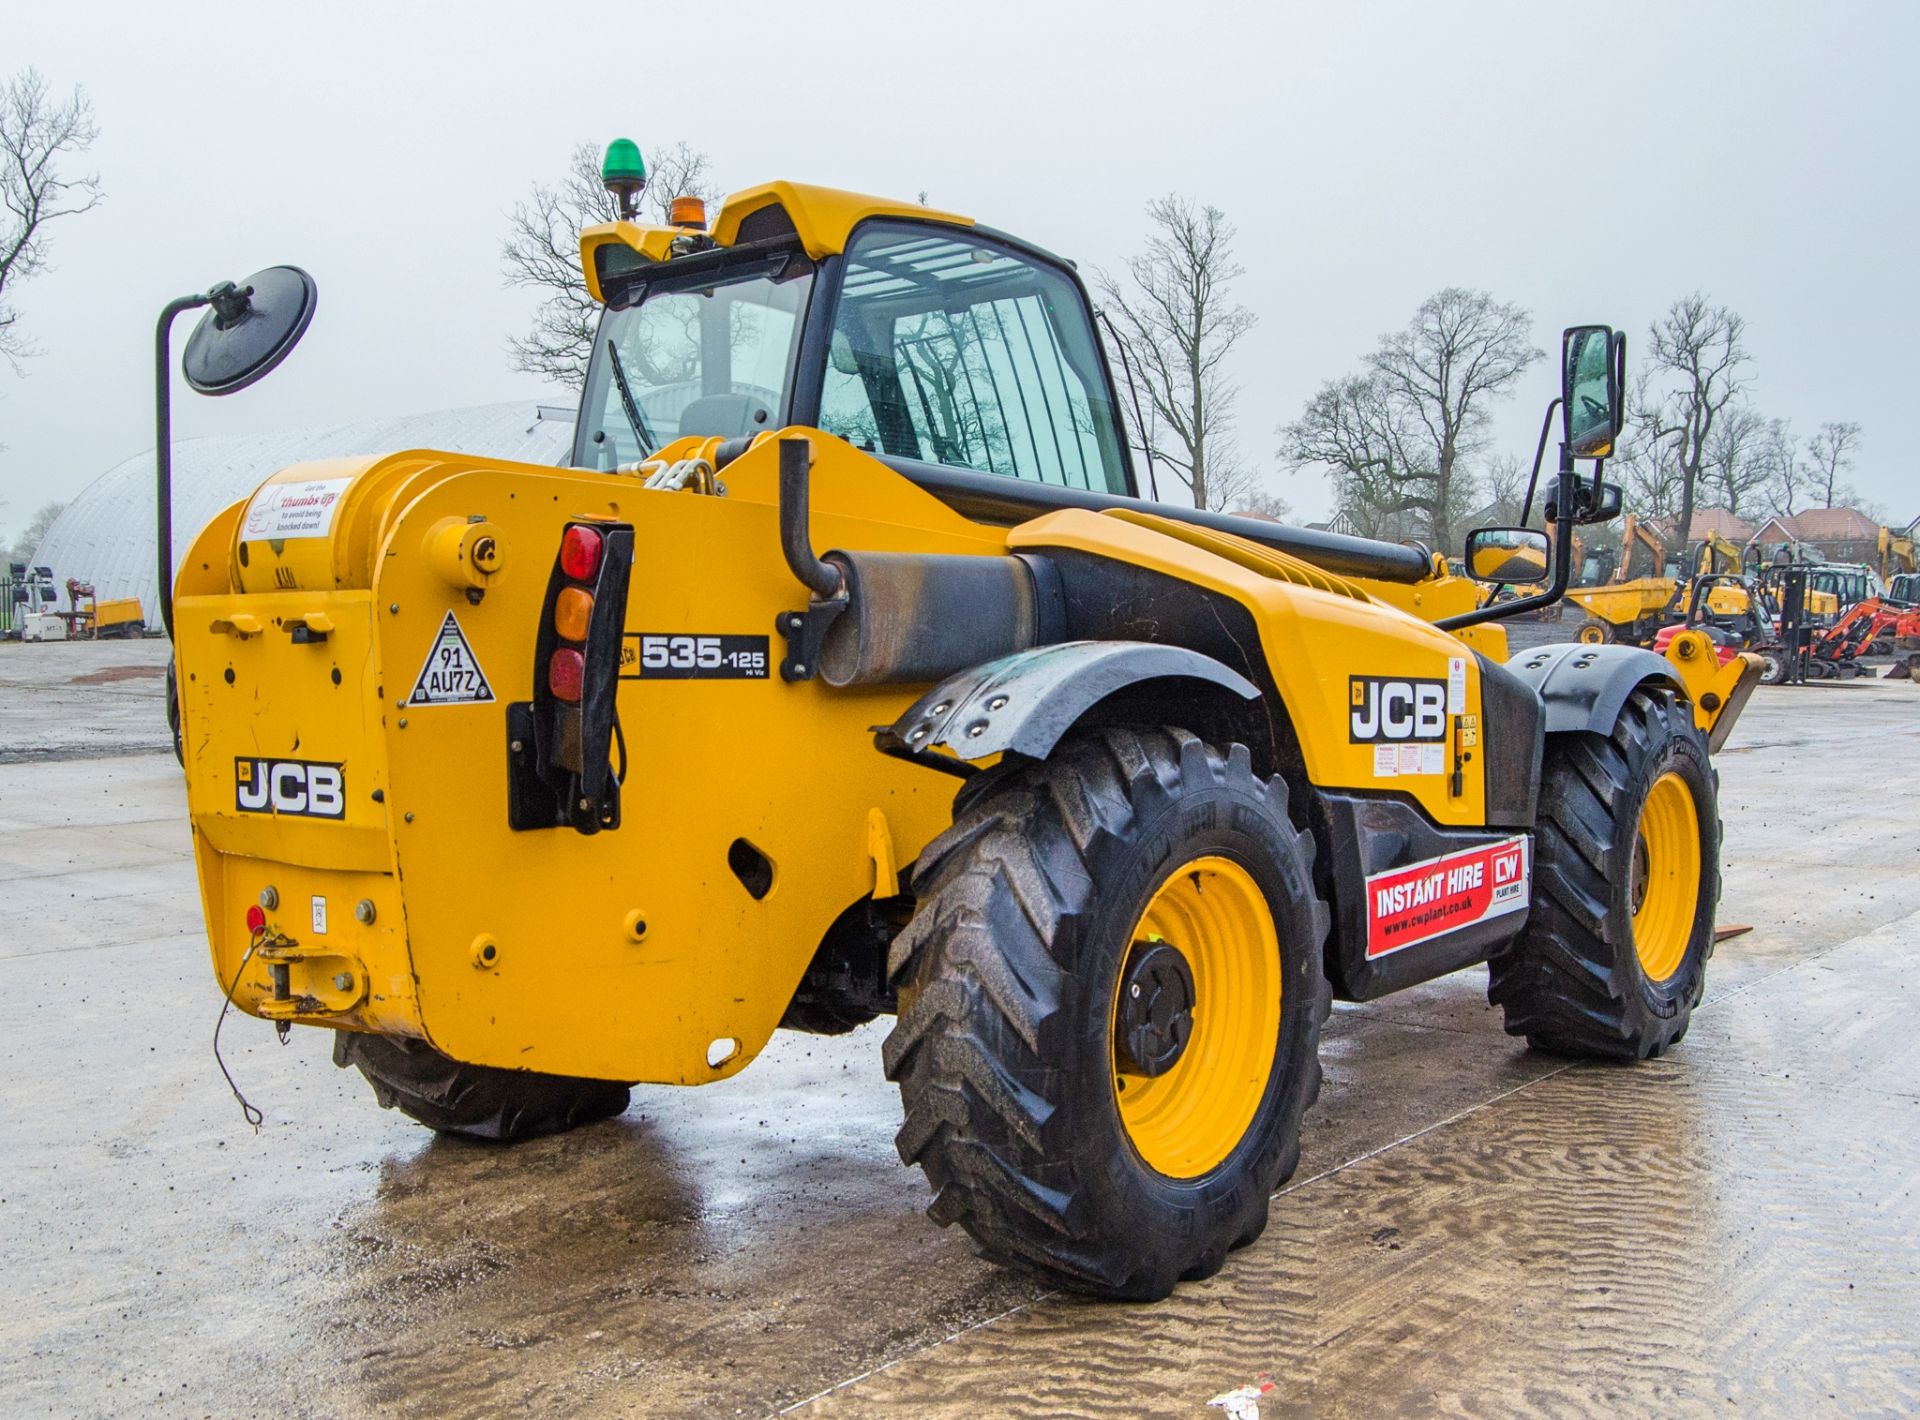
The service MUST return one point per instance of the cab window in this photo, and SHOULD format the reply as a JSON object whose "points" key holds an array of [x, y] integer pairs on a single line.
{"points": [[953, 350]]}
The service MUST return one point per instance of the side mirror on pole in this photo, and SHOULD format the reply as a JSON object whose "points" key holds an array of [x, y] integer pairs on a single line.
{"points": [[250, 328]]}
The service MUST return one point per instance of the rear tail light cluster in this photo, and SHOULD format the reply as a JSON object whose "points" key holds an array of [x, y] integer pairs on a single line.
{"points": [[560, 744]]}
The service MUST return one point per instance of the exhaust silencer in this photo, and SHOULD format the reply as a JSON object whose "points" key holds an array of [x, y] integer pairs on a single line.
{"points": [[918, 617]]}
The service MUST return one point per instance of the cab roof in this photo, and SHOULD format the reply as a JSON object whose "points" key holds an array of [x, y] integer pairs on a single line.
{"points": [[821, 218]]}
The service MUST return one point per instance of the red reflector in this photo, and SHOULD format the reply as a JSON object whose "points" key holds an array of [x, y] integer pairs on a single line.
{"points": [[566, 673], [256, 921], [580, 553]]}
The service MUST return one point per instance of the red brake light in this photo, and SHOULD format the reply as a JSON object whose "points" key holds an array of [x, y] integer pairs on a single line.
{"points": [[256, 921], [580, 553], [566, 673]]}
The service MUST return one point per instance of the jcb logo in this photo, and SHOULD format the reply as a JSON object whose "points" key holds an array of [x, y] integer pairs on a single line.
{"points": [[289, 786], [1408, 711]]}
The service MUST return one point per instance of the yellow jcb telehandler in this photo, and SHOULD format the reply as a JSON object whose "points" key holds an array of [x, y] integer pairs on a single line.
{"points": [[843, 673]]}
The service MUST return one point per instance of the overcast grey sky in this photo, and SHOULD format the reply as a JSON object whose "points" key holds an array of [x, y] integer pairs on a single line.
{"points": [[1591, 162]]}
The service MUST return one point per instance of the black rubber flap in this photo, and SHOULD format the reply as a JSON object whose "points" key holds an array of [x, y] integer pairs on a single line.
{"points": [[238, 341]]}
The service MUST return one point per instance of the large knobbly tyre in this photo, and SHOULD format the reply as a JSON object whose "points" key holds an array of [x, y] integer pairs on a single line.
{"points": [[173, 714], [477, 1100], [1117, 1140], [1626, 880]]}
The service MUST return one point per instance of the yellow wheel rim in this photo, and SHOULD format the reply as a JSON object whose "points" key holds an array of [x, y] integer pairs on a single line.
{"points": [[1185, 1121], [1592, 635], [1666, 877]]}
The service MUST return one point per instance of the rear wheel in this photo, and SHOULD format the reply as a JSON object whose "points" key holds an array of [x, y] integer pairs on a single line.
{"points": [[1626, 879], [1110, 1007], [477, 1100], [1594, 632], [173, 714]]}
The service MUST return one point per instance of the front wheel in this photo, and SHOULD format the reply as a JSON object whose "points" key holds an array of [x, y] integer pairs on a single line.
{"points": [[1595, 632], [1626, 879], [1110, 1008]]}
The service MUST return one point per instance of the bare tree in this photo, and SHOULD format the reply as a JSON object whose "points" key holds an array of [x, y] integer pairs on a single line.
{"points": [[1697, 355], [1649, 479], [1262, 503], [1507, 491], [37, 132], [1177, 323], [1399, 438], [542, 251], [1787, 475], [1461, 350], [1830, 454], [1736, 463], [1354, 431], [36, 528]]}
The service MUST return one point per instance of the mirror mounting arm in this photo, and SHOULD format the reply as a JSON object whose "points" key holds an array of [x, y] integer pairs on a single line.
{"points": [[1565, 485], [1539, 453], [163, 444]]}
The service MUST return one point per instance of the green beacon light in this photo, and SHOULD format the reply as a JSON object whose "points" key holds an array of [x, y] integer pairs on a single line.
{"points": [[625, 176]]}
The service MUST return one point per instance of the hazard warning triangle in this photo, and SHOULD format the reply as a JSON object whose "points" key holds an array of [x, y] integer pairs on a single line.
{"points": [[452, 674]]}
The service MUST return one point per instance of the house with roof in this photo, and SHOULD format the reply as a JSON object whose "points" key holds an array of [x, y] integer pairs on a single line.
{"points": [[1706, 522], [1838, 534]]}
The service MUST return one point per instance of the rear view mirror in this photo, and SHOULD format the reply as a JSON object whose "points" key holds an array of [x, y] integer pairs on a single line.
{"points": [[1592, 375], [1508, 555], [248, 329]]}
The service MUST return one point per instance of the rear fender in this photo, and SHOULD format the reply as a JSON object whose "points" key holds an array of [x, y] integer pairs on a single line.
{"points": [[1026, 703]]}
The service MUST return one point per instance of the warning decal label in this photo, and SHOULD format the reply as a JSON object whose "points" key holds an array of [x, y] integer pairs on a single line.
{"points": [[452, 674], [1417, 903], [286, 510]]}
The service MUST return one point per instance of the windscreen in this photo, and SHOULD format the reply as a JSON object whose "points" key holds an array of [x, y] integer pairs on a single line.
{"points": [[708, 353]]}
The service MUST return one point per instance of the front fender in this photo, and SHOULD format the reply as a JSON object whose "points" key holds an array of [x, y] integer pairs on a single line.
{"points": [[1583, 686], [1026, 702]]}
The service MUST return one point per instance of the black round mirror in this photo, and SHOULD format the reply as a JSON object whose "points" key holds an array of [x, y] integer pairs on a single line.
{"points": [[248, 329]]}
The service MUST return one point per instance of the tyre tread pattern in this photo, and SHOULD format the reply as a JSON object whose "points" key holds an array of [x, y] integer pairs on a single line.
{"points": [[480, 1101], [970, 1048], [1571, 984]]}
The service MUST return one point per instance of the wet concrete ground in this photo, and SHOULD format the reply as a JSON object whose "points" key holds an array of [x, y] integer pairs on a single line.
{"points": [[1474, 1229]]}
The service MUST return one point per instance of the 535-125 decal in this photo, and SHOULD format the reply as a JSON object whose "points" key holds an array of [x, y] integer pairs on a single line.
{"points": [[674, 655]]}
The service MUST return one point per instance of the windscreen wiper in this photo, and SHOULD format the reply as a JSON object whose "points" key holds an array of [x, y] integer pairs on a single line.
{"points": [[627, 400]]}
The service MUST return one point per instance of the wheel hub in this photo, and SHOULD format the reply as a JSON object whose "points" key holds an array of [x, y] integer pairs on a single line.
{"points": [[1156, 1009]]}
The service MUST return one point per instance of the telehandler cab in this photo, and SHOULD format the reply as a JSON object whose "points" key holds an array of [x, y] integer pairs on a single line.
{"points": [[844, 673]]}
